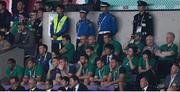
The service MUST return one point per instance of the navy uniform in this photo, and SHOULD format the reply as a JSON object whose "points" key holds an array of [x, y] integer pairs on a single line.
{"points": [[143, 23], [84, 27], [106, 24]]}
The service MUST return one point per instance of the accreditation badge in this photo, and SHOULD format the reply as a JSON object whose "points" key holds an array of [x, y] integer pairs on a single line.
{"points": [[139, 28]]}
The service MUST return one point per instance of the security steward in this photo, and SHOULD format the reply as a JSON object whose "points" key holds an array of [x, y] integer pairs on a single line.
{"points": [[143, 21], [58, 27]]}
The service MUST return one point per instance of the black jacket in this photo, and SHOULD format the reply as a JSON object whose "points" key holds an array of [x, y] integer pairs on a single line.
{"points": [[36, 89], [19, 88], [5, 18], [64, 89], [81, 87]]}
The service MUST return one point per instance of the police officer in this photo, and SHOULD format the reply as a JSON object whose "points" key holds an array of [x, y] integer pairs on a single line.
{"points": [[106, 23], [58, 27], [84, 26], [143, 21]]}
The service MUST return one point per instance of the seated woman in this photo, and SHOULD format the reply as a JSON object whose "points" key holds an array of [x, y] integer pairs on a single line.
{"points": [[146, 67], [130, 61]]}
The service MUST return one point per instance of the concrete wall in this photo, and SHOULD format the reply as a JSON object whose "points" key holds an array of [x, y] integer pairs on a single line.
{"points": [[165, 21]]}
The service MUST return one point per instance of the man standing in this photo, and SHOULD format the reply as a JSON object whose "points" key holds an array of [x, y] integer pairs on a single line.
{"points": [[5, 16], [143, 21], [58, 27], [84, 26], [106, 23]]}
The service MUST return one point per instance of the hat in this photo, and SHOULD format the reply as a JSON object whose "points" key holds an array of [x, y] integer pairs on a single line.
{"points": [[83, 10], [61, 6], [104, 4], [142, 3]]}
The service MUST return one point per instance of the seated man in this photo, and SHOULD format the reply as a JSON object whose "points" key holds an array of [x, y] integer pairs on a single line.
{"points": [[115, 71], [101, 72], [85, 70], [117, 46], [76, 85], [49, 85], [33, 70], [173, 77], [33, 85], [43, 57], [8, 35], [167, 55], [151, 45], [65, 68], [54, 73], [145, 86], [92, 43], [136, 41], [91, 56], [14, 70], [81, 46], [68, 48], [65, 84], [108, 53], [14, 82], [4, 45], [25, 39]]}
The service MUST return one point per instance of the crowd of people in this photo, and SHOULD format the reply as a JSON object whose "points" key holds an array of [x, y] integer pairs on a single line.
{"points": [[96, 62]]}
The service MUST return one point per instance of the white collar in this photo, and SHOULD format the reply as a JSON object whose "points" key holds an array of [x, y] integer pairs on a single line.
{"points": [[33, 89], [76, 87], [145, 88]]}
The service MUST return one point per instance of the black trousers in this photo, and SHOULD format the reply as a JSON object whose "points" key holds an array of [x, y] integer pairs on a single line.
{"points": [[163, 69], [55, 47], [100, 41]]}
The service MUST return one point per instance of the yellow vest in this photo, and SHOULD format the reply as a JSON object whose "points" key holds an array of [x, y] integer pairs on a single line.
{"points": [[58, 26]]}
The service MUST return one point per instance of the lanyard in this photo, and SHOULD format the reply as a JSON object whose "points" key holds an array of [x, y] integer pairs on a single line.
{"points": [[100, 75], [141, 19]]}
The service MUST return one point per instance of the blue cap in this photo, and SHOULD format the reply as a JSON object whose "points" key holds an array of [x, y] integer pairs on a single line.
{"points": [[83, 10], [104, 4], [142, 3]]}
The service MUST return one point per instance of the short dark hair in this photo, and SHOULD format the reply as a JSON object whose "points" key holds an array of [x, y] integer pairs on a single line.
{"points": [[63, 58], [61, 6], [67, 37], [65, 78], [99, 59], [84, 55], [15, 78], [21, 2], [44, 45], [50, 82], [148, 53], [32, 59], [12, 60], [108, 34], [109, 46], [90, 47], [57, 58], [133, 47], [75, 78]]}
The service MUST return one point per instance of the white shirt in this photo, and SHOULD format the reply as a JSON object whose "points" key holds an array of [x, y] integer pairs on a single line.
{"points": [[80, 2], [76, 88], [145, 88]]}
